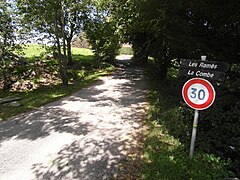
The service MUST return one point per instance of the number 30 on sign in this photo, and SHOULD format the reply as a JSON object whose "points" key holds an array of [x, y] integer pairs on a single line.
{"points": [[198, 93]]}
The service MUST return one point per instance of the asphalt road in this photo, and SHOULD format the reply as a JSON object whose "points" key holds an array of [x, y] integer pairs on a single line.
{"points": [[83, 136]]}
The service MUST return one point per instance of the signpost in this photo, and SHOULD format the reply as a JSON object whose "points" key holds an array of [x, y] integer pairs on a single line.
{"points": [[198, 93], [211, 70]]}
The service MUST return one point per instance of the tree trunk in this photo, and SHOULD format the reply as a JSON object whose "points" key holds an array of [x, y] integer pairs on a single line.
{"points": [[69, 52], [163, 69], [62, 66], [6, 83], [64, 59], [6, 79]]}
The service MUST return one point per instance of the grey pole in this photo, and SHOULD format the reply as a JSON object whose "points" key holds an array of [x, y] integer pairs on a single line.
{"points": [[194, 133], [195, 123]]}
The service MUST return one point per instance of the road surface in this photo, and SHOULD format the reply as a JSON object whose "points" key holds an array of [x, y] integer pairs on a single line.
{"points": [[83, 136]]}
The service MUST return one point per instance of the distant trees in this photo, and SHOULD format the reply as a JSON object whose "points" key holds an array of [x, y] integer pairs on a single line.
{"points": [[102, 31], [81, 41]]}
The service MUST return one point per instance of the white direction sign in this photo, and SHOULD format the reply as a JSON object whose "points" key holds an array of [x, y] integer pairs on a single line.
{"points": [[198, 93]]}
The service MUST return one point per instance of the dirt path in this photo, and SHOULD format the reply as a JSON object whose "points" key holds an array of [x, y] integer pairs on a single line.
{"points": [[83, 136]]}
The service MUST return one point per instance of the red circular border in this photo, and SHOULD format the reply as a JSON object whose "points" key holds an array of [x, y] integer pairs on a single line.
{"points": [[205, 83]]}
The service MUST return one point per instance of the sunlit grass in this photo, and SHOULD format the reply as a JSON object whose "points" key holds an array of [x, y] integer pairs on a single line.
{"points": [[82, 51], [33, 50], [126, 50]]}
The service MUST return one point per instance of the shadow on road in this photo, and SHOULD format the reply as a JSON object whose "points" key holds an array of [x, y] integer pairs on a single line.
{"points": [[101, 118]]}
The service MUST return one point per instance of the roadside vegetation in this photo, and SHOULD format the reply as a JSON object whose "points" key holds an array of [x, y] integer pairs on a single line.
{"points": [[167, 143], [40, 84]]}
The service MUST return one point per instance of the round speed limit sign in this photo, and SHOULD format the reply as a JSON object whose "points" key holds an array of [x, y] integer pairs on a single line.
{"points": [[198, 93]]}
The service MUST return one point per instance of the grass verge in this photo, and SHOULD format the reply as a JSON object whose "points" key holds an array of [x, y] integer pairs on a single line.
{"points": [[43, 95]]}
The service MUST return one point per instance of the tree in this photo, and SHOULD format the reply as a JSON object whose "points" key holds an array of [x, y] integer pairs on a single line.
{"points": [[8, 46], [59, 21], [101, 31]]}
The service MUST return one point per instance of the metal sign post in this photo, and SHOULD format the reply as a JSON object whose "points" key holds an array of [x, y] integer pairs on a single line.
{"points": [[195, 124], [194, 133]]}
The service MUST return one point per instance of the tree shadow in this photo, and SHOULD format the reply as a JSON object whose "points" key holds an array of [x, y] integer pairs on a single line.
{"points": [[40, 123], [88, 159]]}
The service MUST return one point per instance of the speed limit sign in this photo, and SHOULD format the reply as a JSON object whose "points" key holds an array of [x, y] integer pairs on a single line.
{"points": [[198, 93]]}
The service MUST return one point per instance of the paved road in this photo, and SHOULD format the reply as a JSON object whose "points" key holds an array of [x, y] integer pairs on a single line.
{"points": [[83, 136]]}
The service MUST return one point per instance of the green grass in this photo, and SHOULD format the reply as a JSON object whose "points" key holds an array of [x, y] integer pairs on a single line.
{"points": [[166, 147], [44, 95], [33, 50], [82, 51]]}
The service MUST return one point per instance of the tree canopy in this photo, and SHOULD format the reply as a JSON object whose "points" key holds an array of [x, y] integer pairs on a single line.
{"points": [[167, 30]]}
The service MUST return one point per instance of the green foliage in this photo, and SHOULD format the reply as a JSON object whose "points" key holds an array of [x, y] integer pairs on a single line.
{"points": [[101, 32], [10, 51], [167, 143], [168, 30], [219, 130]]}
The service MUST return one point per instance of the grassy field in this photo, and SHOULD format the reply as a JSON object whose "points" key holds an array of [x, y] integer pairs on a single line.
{"points": [[83, 72], [82, 51], [35, 50]]}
